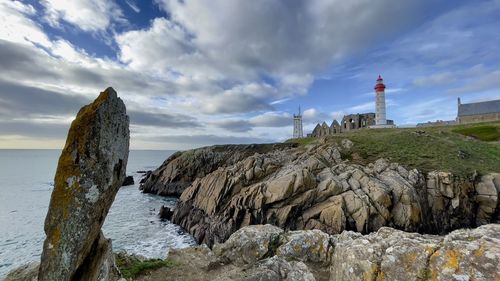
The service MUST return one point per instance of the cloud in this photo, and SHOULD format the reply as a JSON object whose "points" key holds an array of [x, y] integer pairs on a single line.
{"points": [[203, 140], [162, 120], [133, 5], [239, 99], [490, 81], [18, 27], [88, 15], [284, 44], [272, 119], [23, 101], [31, 129], [428, 110], [434, 79], [238, 126], [312, 115]]}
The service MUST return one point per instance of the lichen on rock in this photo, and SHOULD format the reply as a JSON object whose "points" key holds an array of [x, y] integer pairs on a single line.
{"points": [[91, 168]]}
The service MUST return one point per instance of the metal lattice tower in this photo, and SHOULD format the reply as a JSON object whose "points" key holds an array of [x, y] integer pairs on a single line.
{"points": [[297, 126]]}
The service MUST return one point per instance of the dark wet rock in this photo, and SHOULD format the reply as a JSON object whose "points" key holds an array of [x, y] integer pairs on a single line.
{"points": [[129, 180], [145, 177], [165, 213], [90, 171]]}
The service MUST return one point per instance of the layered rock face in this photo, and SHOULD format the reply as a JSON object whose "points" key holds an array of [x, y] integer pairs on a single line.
{"points": [[313, 188], [266, 252], [90, 171], [181, 169]]}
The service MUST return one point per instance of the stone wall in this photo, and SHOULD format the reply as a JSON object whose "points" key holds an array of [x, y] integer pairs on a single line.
{"points": [[478, 118]]}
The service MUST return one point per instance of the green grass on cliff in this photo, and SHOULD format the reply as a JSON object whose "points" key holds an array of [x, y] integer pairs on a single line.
{"points": [[445, 148], [484, 133], [132, 267]]}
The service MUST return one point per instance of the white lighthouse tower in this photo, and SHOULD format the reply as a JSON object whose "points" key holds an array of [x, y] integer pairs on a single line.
{"points": [[380, 118], [297, 126], [380, 114]]}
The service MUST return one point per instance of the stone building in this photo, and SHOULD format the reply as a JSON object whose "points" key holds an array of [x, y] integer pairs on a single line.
{"points": [[478, 111], [349, 123], [335, 127], [357, 121]]}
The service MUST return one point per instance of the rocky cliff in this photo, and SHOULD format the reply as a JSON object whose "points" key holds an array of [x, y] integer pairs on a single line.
{"points": [[182, 168], [90, 171], [313, 187], [267, 253]]}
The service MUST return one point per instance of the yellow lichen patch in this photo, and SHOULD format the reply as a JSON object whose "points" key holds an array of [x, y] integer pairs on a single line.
{"points": [[55, 238], [479, 252], [433, 272], [429, 250], [80, 127], [409, 258], [453, 258], [372, 273], [434, 275], [471, 275], [380, 276], [63, 194]]}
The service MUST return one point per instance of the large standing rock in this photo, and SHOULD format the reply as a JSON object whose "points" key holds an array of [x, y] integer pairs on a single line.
{"points": [[90, 171]]}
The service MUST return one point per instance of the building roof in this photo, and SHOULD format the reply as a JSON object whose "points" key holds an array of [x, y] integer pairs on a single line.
{"points": [[476, 108]]}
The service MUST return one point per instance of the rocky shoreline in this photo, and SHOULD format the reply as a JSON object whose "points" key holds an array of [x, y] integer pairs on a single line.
{"points": [[314, 187], [266, 252], [269, 212]]}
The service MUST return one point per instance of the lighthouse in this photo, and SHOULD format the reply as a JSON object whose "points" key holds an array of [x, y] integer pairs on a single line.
{"points": [[297, 126], [380, 118], [380, 114]]}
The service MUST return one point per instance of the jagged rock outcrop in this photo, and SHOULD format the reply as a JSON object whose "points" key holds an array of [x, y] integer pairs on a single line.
{"points": [[312, 187], [129, 180], [182, 168], [90, 171], [265, 252]]}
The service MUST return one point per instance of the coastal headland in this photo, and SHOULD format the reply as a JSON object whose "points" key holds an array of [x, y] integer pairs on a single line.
{"points": [[399, 204]]}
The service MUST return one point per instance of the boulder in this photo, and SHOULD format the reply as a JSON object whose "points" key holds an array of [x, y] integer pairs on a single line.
{"points": [[390, 254], [165, 213], [90, 171], [264, 252], [249, 244], [305, 245], [129, 180], [468, 254], [276, 268]]}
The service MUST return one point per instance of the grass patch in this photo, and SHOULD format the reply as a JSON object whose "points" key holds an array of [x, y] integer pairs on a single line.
{"points": [[484, 133], [443, 148], [131, 266], [301, 141]]}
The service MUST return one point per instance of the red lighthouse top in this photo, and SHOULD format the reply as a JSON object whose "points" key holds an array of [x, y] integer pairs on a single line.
{"points": [[379, 87]]}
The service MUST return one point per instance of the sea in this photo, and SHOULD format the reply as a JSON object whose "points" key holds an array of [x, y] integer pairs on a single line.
{"points": [[26, 183]]}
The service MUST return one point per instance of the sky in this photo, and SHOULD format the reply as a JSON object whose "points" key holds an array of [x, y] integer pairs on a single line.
{"points": [[196, 72]]}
